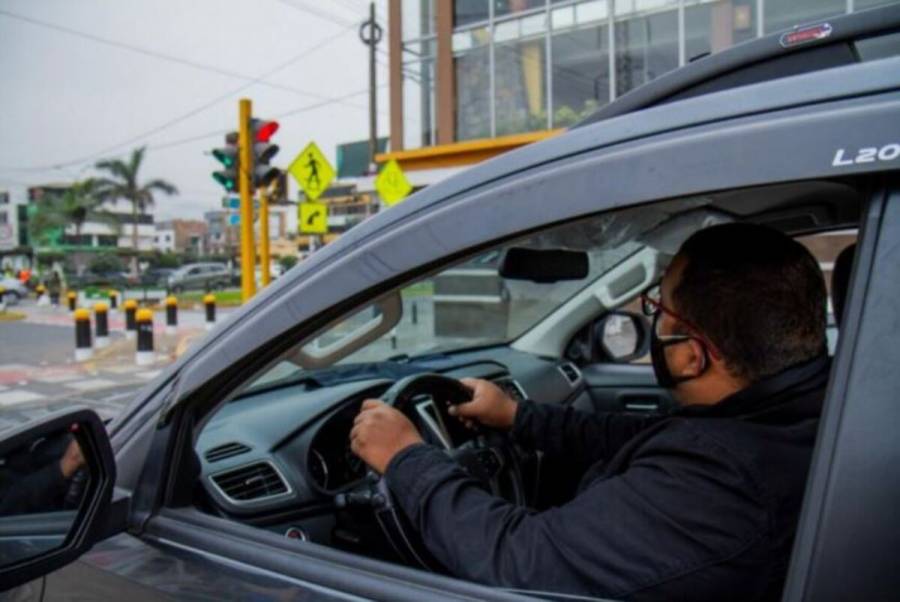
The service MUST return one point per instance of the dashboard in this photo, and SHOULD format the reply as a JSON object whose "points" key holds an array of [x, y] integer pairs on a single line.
{"points": [[280, 456]]}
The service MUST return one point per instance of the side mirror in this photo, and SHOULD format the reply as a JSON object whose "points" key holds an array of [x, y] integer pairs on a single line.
{"points": [[622, 336], [56, 483]]}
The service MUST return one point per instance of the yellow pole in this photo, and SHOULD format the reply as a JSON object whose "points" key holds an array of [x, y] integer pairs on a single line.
{"points": [[264, 235], [248, 251]]}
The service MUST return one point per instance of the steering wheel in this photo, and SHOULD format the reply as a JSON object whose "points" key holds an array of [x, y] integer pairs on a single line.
{"points": [[487, 455]]}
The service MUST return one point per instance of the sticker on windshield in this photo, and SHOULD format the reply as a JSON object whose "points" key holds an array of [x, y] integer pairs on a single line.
{"points": [[869, 154], [804, 35]]}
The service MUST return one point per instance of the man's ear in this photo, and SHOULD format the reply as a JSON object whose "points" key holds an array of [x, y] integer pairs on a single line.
{"points": [[693, 360]]}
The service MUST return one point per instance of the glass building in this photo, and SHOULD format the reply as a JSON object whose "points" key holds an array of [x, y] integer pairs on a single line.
{"points": [[472, 78]]}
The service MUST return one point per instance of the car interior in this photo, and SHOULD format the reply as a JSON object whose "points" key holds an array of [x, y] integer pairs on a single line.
{"points": [[550, 316]]}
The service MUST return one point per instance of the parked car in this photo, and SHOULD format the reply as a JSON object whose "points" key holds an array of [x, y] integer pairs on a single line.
{"points": [[200, 276], [230, 475], [13, 290], [157, 277]]}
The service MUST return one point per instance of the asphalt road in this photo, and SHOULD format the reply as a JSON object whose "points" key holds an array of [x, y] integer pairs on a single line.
{"points": [[36, 344]]}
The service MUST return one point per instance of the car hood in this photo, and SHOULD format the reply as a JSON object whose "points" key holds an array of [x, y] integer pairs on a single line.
{"points": [[107, 403]]}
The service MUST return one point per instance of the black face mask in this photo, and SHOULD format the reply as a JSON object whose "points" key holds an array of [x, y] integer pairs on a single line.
{"points": [[664, 376]]}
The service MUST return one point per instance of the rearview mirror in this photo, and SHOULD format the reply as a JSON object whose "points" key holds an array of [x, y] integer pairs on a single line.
{"points": [[56, 482], [544, 265]]}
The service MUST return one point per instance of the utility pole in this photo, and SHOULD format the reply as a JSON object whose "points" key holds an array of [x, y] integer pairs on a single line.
{"points": [[264, 236], [245, 175], [370, 33]]}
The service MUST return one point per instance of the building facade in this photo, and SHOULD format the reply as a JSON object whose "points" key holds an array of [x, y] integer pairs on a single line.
{"points": [[222, 237], [9, 231], [470, 79], [181, 236]]}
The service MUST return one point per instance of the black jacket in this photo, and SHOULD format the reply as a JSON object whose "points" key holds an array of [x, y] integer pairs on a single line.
{"points": [[701, 504]]}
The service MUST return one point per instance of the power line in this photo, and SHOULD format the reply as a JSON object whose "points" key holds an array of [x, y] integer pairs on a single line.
{"points": [[196, 137], [158, 55], [319, 13], [191, 113]]}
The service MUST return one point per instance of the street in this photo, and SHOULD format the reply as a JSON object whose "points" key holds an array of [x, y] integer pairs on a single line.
{"points": [[37, 357]]}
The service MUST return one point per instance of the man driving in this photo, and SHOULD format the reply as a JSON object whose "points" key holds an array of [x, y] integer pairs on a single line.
{"points": [[698, 504]]}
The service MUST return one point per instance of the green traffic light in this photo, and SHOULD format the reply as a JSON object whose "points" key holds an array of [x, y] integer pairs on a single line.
{"points": [[225, 157], [226, 181]]}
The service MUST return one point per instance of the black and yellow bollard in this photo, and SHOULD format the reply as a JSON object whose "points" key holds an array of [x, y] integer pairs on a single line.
{"points": [[171, 315], [144, 355], [101, 324], [130, 306], [210, 302], [72, 297], [83, 349], [43, 298], [113, 299], [2, 298]]}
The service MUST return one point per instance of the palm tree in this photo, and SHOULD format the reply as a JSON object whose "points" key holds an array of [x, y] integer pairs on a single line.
{"points": [[76, 205], [122, 183]]}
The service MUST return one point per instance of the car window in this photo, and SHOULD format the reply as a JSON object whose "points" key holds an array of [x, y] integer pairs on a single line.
{"points": [[825, 247], [469, 304]]}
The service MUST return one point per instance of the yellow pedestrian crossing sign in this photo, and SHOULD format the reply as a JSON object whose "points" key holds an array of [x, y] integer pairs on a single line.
{"points": [[392, 184], [312, 171], [313, 218]]}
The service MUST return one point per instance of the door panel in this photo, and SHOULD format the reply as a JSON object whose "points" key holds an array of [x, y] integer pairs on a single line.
{"points": [[138, 570], [624, 388]]}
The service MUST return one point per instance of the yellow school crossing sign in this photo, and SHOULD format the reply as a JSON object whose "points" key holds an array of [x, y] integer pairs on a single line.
{"points": [[392, 184], [313, 218], [312, 171]]}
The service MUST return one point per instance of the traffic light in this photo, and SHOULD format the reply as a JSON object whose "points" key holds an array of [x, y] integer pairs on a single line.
{"points": [[263, 151], [229, 157]]}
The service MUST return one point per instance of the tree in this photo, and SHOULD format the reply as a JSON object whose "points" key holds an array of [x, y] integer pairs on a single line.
{"points": [[287, 262], [122, 183], [54, 213], [104, 263]]}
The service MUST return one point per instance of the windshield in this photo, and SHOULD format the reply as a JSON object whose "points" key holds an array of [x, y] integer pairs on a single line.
{"points": [[462, 306]]}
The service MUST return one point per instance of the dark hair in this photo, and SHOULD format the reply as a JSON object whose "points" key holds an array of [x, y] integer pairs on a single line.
{"points": [[757, 294]]}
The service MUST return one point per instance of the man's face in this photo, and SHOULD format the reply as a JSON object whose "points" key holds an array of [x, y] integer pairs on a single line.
{"points": [[685, 360], [667, 323]]}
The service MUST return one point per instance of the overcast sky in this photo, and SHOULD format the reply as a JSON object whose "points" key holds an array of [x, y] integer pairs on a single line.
{"points": [[71, 97]]}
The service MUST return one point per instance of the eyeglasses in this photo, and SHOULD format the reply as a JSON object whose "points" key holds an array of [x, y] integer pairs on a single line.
{"points": [[652, 306]]}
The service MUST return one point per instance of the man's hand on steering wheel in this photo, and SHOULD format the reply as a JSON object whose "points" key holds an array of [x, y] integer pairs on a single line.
{"points": [[380, 432], [490, 406]]}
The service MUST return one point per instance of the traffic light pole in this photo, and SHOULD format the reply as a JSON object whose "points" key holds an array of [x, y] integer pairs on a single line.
{"points": [[248, 252], [264, 235]]}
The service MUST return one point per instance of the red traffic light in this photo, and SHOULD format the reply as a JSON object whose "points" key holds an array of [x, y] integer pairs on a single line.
{"points": [[265, 129]]}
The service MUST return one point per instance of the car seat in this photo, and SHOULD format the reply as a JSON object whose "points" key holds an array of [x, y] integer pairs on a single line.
{"points": [[840, 281]]}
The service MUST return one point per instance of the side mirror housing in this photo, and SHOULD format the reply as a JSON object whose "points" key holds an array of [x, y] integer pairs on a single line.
{"points": [[56, 482], [622, 336]]}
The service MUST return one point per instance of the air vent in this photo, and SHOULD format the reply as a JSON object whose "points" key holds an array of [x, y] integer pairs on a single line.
{"points": [[251, 483], [571, 372], [513, 389], [226, 450]]}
